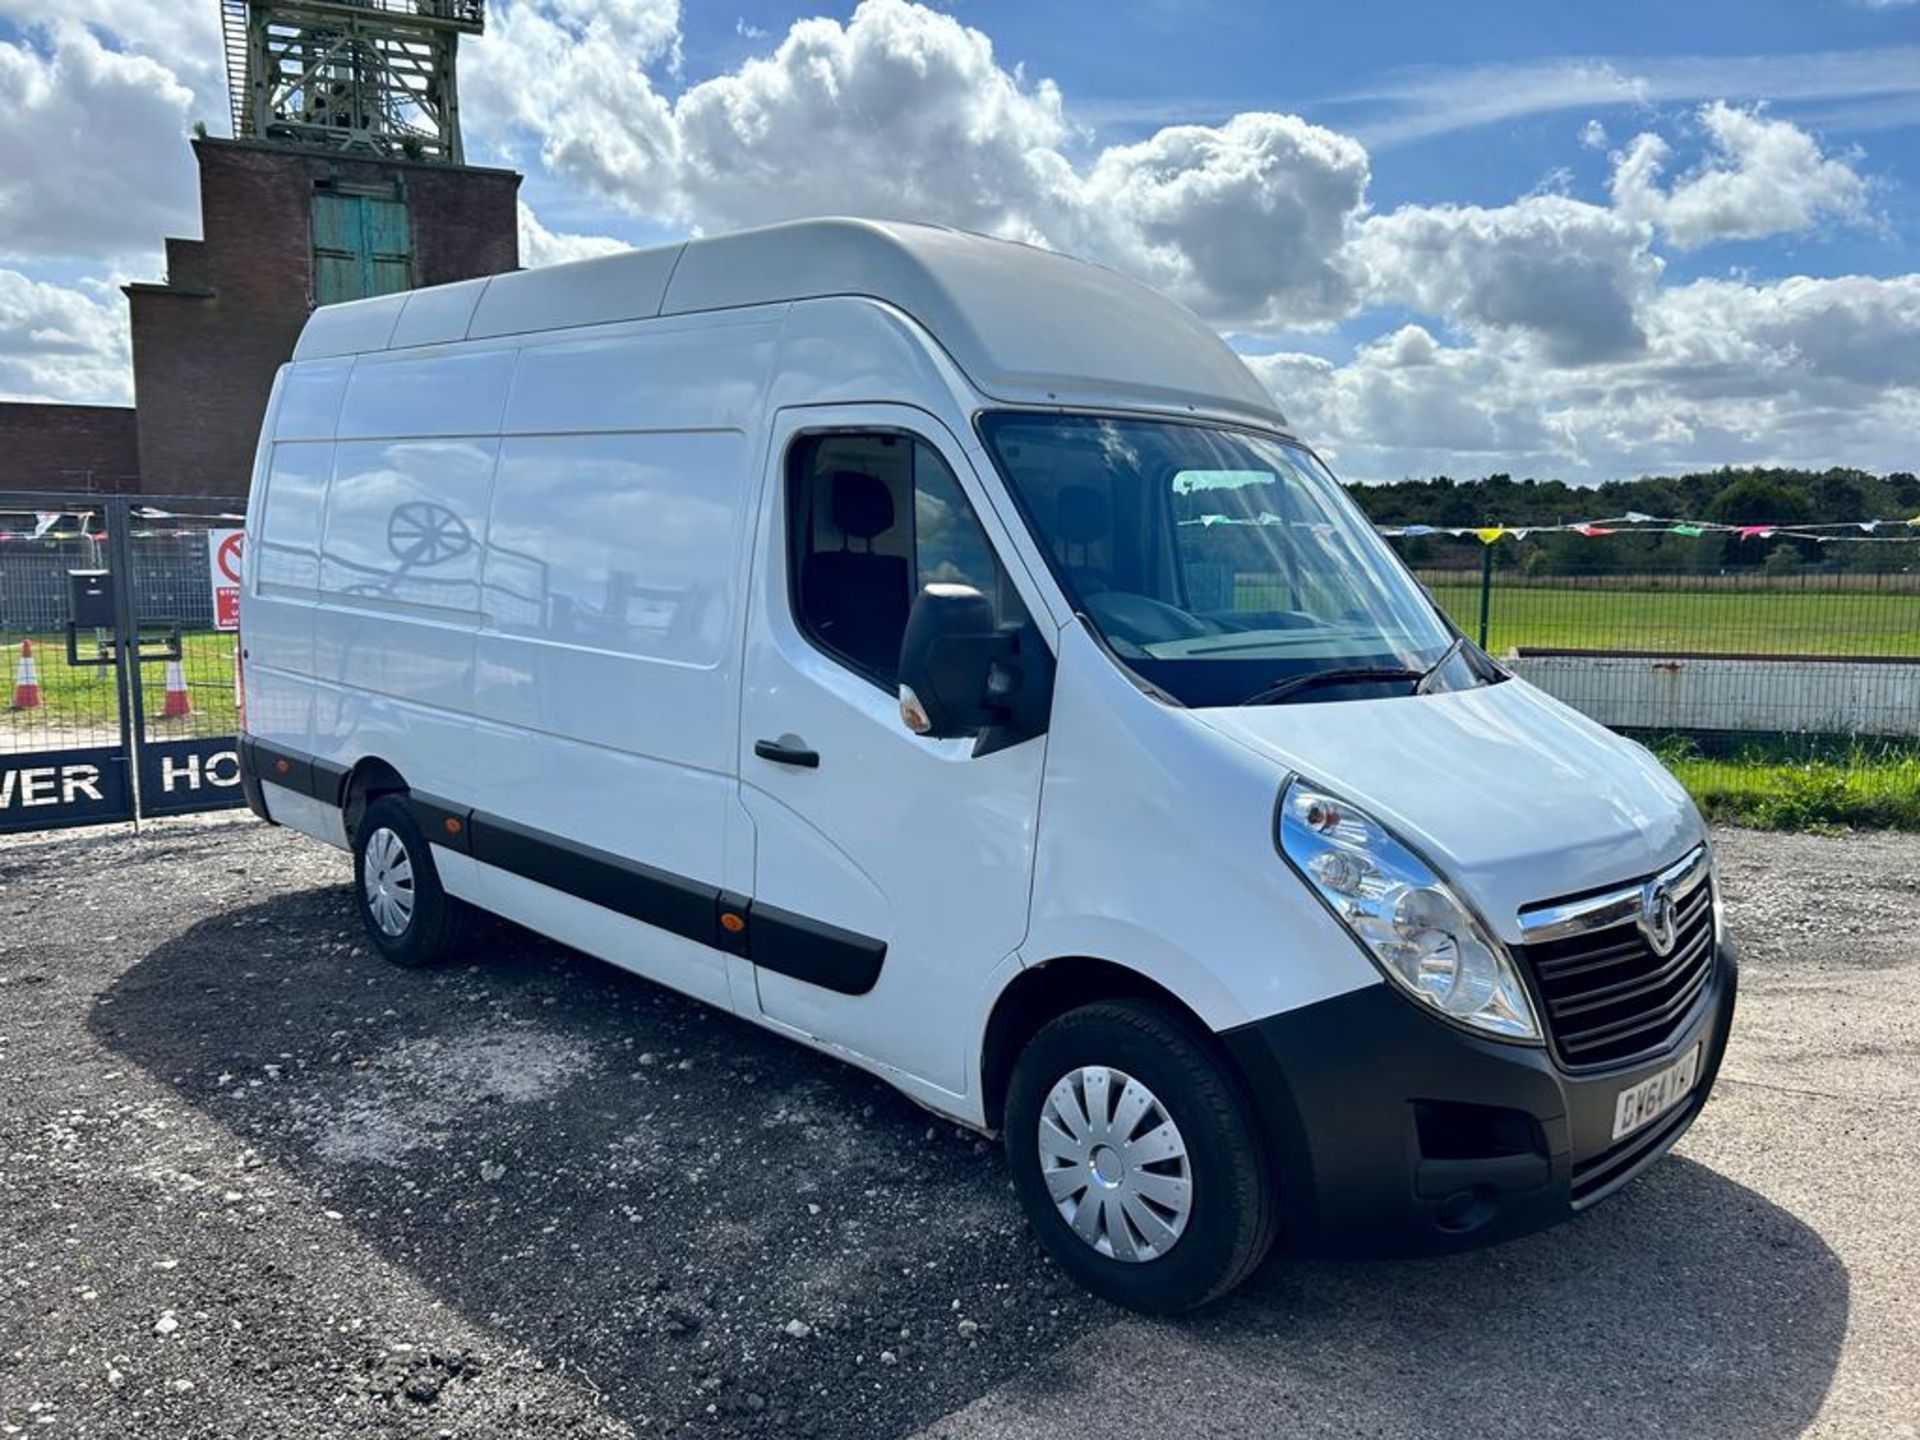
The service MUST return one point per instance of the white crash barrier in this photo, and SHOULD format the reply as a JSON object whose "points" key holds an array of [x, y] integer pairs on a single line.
{"points": [[1739, 692]]}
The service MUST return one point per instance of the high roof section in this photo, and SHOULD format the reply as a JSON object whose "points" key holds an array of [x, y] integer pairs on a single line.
{"points": [[1025, 325]]}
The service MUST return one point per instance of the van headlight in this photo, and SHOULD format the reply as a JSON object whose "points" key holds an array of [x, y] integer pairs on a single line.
{"points": [[1404, 916]]}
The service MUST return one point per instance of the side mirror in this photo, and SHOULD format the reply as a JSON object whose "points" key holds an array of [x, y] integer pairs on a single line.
{"points": [[962, 675]]}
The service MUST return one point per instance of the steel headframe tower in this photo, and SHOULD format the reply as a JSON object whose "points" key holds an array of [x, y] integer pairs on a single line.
{"points": [[374, 77]]}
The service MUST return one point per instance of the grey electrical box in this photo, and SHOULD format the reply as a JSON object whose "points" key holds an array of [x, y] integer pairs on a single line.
{"points": [[90, 598]]}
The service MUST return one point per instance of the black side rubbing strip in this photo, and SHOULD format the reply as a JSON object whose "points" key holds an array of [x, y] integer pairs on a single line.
{"points": [[843, 961], [329, 782], [442, 822], [812, 950], [733, 915], [658, 897], [318, 779], [275, 766]]}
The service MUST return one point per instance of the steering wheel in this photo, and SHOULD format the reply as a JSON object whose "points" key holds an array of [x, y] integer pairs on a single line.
{"points": [[1143, 620]]}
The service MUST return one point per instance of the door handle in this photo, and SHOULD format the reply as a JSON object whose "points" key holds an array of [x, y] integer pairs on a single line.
{"points": [[787, 750]]}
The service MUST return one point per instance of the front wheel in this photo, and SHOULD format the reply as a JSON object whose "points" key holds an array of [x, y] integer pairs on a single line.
{"points": [[411, 920], [1136, 1157]]}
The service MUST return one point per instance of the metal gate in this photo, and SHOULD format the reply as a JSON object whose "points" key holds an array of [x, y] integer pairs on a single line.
{"points": [[118, 638]]}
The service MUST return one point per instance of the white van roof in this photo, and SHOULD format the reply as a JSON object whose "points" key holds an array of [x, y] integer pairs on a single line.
{"points": [[1025, 325]]}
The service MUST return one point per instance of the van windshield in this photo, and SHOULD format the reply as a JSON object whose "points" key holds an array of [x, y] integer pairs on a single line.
{"points": [[1221, 565]]}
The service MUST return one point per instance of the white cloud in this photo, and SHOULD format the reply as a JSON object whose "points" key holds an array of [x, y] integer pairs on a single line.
{"points": [[577, 81], [1763, 177], [904, 112], [1569, 274], [541, 246], [185, 38], [93, 159], [1245, 222], [1407, 386], [1593, 135], [1798, 371], [58, 343]]}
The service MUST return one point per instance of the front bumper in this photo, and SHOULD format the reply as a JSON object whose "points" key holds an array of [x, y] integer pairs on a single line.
{"points": [[1395, 1133]]}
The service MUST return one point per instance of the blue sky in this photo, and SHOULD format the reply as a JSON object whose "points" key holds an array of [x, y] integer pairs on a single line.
{"points": [[1557, 240]]}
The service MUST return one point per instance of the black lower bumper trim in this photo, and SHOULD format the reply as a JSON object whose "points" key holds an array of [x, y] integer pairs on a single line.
{"points": [[250, 779], [1396, 1134]]}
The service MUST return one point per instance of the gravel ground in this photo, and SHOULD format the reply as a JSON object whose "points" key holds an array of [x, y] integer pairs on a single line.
{"points": [[255, 1183]]}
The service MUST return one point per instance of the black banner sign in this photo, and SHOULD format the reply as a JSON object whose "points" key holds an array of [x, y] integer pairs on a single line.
{"points": [[178, 776], [46, 789]]}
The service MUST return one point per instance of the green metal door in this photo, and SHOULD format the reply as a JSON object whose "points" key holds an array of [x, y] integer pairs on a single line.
{"points": [[361, 246]]}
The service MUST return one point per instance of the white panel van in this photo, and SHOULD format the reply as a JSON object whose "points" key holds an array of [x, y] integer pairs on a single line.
{"points": [[943, 653]]}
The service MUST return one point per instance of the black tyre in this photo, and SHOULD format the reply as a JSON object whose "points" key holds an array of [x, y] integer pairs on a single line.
{"points": [[411, 920], [1137, 1158]]}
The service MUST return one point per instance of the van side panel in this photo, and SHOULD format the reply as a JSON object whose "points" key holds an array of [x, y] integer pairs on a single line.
{"points": [[405, 516], [286, 567], [283, 553], [605, 688]]}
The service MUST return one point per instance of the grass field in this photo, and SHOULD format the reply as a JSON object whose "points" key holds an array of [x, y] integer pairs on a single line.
{"points": [[1774, 785], [83, 698], [1766, 622]]}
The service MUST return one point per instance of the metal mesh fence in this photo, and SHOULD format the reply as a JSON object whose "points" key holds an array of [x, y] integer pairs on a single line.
{"points": [[51, 703], [121, 696], [173, 599]]}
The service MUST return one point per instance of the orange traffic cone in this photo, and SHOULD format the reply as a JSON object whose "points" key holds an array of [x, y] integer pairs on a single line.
{"points": [[176, 705], [26, 680]]}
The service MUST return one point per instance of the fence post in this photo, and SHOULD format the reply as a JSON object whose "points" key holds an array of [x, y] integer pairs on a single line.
{"points": [[1486, 589], [118, 512]]}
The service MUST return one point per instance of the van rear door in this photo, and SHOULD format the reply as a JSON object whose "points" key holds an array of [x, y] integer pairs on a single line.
{"points": [[891, 872]]}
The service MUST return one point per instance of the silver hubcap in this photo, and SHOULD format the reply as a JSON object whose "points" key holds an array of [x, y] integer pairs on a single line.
{"points": [[1115, 1164], [388, 880]]}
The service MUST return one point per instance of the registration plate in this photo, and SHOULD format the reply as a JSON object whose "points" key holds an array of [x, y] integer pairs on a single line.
{"points": [[1641, 1104]]}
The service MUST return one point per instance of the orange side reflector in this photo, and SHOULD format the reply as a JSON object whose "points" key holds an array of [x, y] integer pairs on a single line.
{"points": [[732, 924]]}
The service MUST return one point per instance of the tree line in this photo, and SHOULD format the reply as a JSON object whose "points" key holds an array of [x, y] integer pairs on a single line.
{"points": [[1729, 496]]}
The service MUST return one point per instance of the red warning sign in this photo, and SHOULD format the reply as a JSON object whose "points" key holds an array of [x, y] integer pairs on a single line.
{"points": [[223, 550]]}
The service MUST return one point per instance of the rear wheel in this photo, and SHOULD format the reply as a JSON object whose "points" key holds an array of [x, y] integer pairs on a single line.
{"points": [[410, 918], [1136, 1157]]}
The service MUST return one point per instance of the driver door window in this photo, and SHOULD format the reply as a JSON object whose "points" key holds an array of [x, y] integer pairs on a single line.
{"points": [[872, 518]]}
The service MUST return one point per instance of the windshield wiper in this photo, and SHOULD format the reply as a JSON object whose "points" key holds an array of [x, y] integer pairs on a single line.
{"points": [[1440, 664], [1294, 684]]}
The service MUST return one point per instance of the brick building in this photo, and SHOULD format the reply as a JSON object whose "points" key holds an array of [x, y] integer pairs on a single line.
{"points": [[286, 229], [94, 448]]}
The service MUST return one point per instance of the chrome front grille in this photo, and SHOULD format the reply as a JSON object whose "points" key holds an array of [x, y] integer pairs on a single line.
{"points": [[1618, 973]]}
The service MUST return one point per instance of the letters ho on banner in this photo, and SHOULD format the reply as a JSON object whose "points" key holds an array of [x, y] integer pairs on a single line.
{"points": [[223, 572]]}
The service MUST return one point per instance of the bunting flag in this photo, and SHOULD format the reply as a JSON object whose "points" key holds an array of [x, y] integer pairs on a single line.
{"points": [[1825, 532]]}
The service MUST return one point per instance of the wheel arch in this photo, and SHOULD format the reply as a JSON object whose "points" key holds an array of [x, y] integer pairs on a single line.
{"points": [[370, 778], [1040, 993]]}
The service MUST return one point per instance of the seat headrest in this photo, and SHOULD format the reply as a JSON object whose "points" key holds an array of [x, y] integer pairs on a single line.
{"points": [[1084, 515], [862, 504]]}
